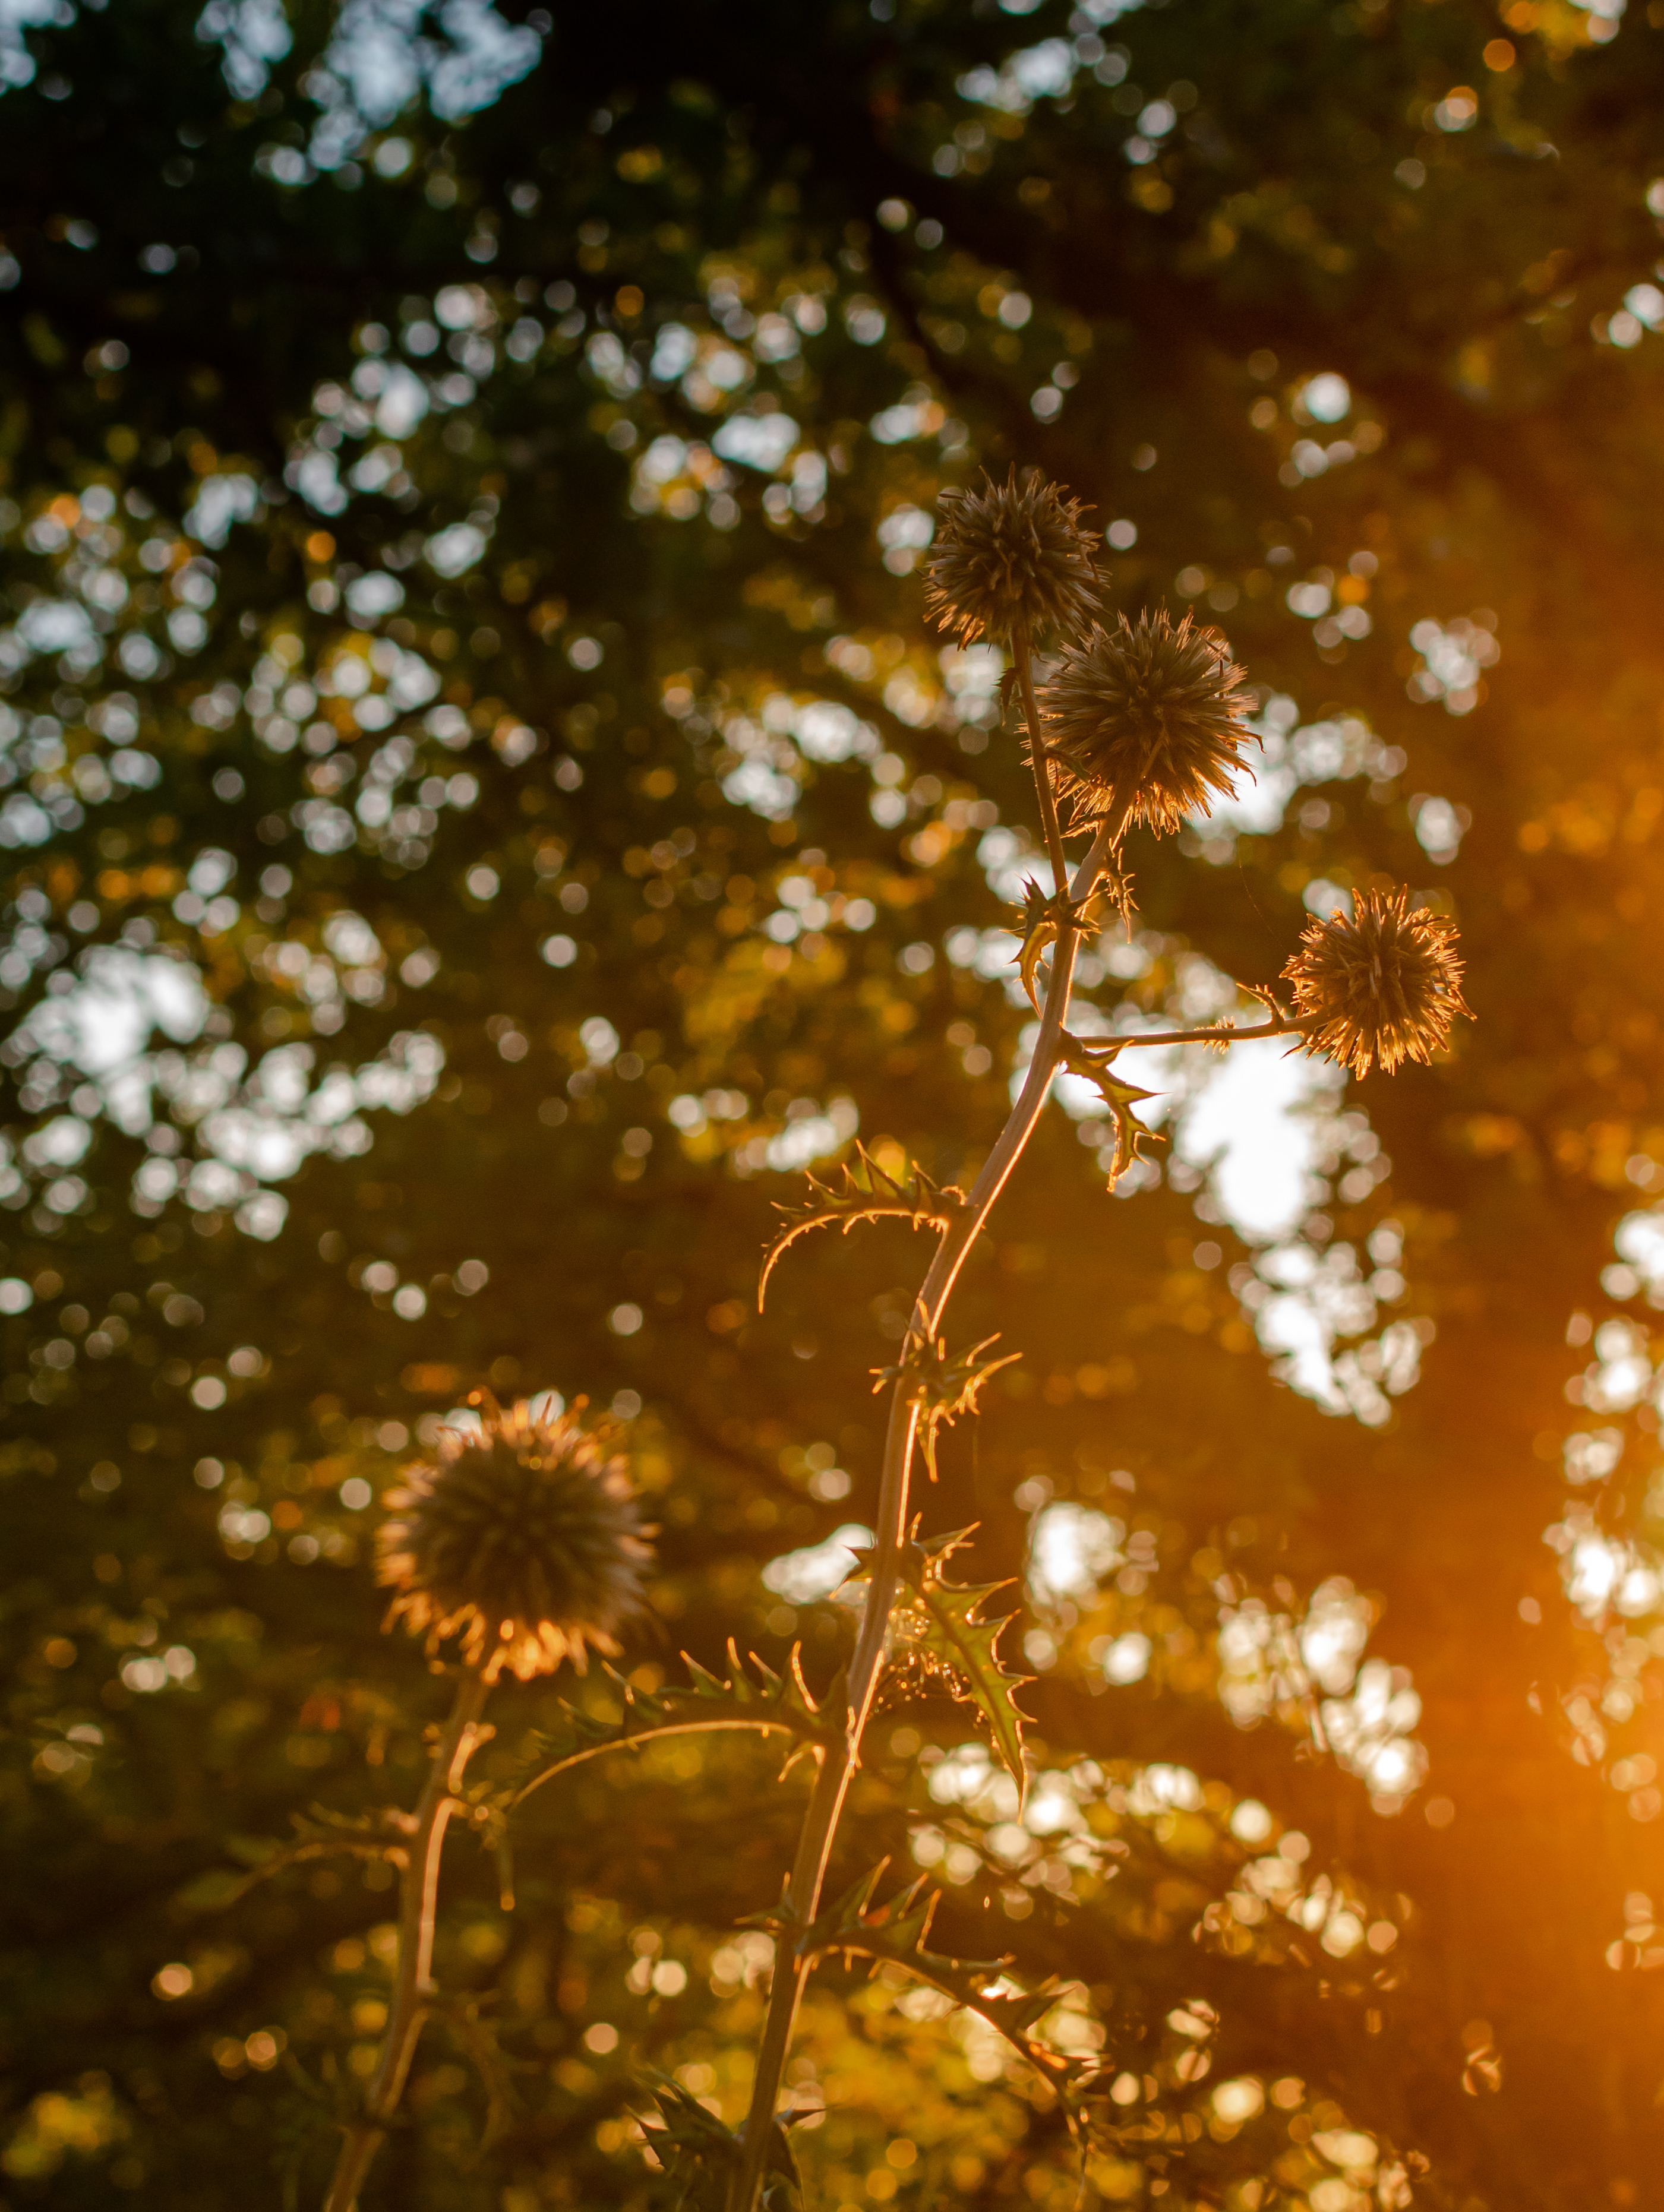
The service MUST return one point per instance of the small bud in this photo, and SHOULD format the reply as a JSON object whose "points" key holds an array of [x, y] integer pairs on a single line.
{"points": [[1010, 557], [1150, 712], [1383, 983], [526, 1539]]}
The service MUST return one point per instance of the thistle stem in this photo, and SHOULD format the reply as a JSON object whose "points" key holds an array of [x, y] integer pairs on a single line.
{"points": [[418, 1902], [1023, 658], [840, 1760], [1218, 1033]]}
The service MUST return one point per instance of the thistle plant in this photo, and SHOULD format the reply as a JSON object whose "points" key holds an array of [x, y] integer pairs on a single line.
{"points": [[1141, 723], [522, 1540]]}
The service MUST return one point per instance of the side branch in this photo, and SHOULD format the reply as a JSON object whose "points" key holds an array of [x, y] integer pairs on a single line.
{"points": [[1218, 1033], [778, 1705]]}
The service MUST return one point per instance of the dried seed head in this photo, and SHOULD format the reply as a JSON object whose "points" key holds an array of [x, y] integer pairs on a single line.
{"points": [[1383, 983], [524, 1539], [1148, 714], [1009, 557]]}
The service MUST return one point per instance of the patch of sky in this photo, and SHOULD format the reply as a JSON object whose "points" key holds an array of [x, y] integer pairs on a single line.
{"points": [[455, 548], [757, 441], [675, 350], [252, 35], [818, 1569], [773, 743], [380, 58], [1270, 1664], [1287, 755], [251, 1126], [1638, 1241], [1045, 71], [315, 474], [221, 501], [18, 65], [811, 1133], [1610, 1577], [103, 1026], [1454, 656], [1071, 1547], [1037, 72]]}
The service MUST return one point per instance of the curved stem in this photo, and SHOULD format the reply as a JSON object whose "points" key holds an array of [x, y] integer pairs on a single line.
{"points": [[839, 1764], [1023, 658], [418, 1903]]}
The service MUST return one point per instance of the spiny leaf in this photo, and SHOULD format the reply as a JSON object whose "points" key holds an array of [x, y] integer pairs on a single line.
{"points": [[1041, 919], [773, 1704], [844, 1199], [320, 1834], [1045, 915], [897, 1934], [942, 1384], [1093, 1062], [1264, 995], [942, 1629], [853, 1924], [703, 2156]]}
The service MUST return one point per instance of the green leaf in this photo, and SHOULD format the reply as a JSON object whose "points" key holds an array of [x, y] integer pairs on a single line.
{"points": [[843, 1200], [942, 1629], [771, 1704]]}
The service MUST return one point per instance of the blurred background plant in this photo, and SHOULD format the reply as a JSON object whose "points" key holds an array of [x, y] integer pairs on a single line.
{"points": [[483, 818], [520, 1538]]}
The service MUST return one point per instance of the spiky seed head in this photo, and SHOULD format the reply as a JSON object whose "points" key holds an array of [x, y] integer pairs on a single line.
{"points": [[1009, 557], [524, 1538], [1381, 983], [1150, 714]]}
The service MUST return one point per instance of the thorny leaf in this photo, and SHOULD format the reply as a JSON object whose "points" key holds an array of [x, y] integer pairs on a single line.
{"points": [[321, 1834], [945, 1633], [943, 1385], [844, 1199], [1093, 1062], [897, 1934], [1045, 914], [773, 1704], [702, 2155]]}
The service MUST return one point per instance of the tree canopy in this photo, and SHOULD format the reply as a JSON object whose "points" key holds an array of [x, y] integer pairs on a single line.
{"points": [[485, 810]]}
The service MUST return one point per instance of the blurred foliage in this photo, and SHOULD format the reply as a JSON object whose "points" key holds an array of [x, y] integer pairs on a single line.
{"points": [[483, 809]]}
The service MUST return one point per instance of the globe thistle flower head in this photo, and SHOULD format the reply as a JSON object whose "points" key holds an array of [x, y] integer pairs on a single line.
{"points": [[523, 1538], [1150, 714], [1009, 557], [1381, 983]]}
